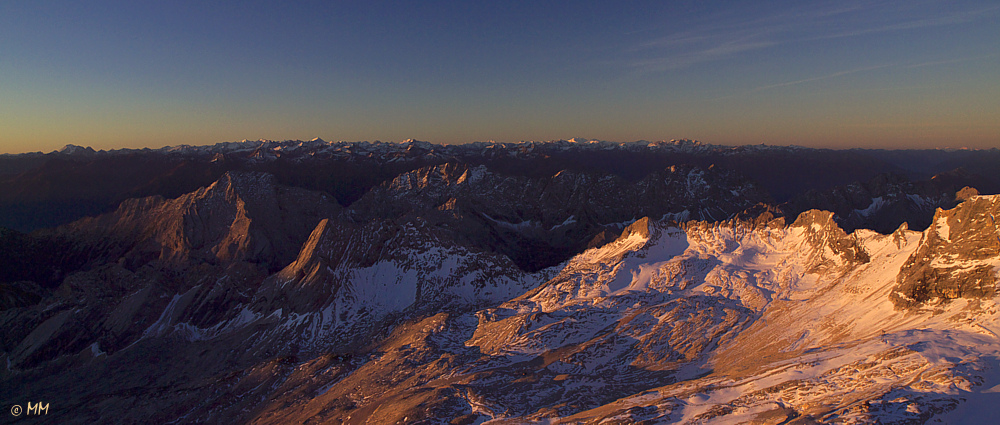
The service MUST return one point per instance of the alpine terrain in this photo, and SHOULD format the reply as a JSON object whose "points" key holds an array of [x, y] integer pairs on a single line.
{"points": [[576, 282]]}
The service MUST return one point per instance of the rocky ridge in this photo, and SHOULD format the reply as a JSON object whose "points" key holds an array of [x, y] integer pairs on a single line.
{"points": [[44, 190], [886, 201], [536, 221], [957, 257], [241, 217]]}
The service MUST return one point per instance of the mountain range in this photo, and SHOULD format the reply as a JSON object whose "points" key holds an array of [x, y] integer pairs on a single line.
{"points": [[563, 282]]}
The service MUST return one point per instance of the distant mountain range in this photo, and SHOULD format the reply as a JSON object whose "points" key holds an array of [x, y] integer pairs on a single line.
{"points": [[570, 282]]}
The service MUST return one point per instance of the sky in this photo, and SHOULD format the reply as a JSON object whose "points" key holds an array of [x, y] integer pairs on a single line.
{"points": [[836, 74]]}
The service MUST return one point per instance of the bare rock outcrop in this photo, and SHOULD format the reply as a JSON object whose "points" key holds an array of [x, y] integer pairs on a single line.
{"points": [[240, 217], [957, 256]]}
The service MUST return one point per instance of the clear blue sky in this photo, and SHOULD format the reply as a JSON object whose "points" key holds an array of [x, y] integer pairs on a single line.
{"points": [[832, 74]]}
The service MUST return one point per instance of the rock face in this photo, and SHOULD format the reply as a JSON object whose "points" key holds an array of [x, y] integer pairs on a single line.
{"points": [[349, 279], [240, 217], [832, 248], [158, 267], [957, 257]]}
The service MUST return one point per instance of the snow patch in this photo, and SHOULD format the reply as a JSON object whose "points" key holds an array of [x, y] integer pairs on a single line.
{"points": [[876, 204]]}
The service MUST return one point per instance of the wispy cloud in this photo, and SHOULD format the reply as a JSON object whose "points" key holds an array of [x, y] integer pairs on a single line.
{"points": [[727, 38], [953, 19], [819, 78], [949, 61], [714, 52], [860, 70]]}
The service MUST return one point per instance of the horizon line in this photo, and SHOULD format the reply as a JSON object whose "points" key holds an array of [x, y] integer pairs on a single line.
{"points": [[578, 140]]}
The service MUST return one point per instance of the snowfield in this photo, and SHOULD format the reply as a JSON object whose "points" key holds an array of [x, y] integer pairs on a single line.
{"points": [[780, 323]]}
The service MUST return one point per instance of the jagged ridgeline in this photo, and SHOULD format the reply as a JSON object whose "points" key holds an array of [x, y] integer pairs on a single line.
{"points": [[289, 282], [45, 190]]}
